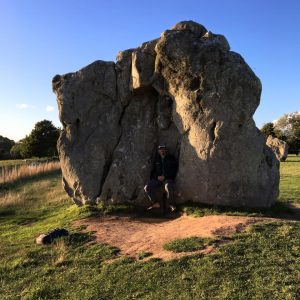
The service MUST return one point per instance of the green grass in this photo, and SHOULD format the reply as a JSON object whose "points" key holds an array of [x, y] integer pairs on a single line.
{"points": [[262, 263], [142, 255], [189, 244], [290, 179]]}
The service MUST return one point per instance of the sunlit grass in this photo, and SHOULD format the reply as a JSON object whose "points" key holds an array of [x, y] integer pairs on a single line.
{"points": [[18, 162], [34, 194], [290, 179], [262, 263], [19, 172]]}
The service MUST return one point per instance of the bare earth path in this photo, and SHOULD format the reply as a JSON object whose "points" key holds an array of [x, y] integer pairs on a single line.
{"points": [[133, 235]]}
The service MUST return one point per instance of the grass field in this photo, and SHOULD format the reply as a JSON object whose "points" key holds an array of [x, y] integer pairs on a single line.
{"points": [[11, 174], [290, 179], [19, 162], [263, 263]]}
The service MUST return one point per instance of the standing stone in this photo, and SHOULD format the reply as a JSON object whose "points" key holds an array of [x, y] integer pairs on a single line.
{"points": [[279, 147], [185, 89]]}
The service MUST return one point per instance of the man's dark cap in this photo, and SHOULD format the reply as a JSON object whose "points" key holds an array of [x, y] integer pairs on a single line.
{"points": [[162, 146]]}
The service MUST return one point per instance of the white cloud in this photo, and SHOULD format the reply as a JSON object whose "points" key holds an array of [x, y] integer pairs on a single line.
{"points": [[22, 106], [49, 108]]}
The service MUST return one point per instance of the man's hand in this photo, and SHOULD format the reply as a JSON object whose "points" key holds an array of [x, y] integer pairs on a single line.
{"points": [[161, 178]]}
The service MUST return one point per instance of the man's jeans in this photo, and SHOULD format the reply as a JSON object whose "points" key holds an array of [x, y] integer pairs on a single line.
{"points": [[153, 186]]}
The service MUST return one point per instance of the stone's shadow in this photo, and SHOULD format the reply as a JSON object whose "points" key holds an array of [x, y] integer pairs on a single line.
{"points": [[141, 214], [157, 217], [284, 211], [293, 212], [279, 211]]}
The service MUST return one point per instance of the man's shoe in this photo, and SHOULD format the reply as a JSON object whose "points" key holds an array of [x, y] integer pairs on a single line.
{"points": [[154, 205], [172, 208]]}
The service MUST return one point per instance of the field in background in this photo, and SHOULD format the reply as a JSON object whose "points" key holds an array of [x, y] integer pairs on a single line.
{"points": [[12, 171], [28, 161], [290, 179], [262, 263]]}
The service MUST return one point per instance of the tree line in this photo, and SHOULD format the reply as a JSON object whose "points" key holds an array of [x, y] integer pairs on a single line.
{"points": [[41, 142], [286, 128]]}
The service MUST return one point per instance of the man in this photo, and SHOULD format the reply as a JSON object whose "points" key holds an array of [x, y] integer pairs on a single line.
{"points": [[163, 175]]}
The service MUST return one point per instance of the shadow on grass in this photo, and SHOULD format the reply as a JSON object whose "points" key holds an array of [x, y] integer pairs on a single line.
{"points": [[7, 213], [131, 211], [279, 210], [76, 239]]}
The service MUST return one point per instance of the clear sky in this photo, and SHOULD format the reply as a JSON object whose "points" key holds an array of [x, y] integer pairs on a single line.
{"points": [[40, 39]]}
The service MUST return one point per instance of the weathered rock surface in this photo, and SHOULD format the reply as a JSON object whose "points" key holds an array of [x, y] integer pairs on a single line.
{"points": [[185, 89], [279, 147]]}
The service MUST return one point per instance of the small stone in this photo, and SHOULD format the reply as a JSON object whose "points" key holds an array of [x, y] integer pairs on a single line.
{"points": [[49, 237], [40, 239], [279, 147]]}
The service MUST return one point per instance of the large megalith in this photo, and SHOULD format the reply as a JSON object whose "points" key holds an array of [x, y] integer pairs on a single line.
{"points": [[185, 89]]}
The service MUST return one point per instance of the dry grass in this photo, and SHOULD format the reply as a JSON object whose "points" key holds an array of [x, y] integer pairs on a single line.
{"points": [[11, 199], [38, 193], [59, 252], [12, 174]]}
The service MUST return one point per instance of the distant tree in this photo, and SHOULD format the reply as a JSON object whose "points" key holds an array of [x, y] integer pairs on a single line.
{"points": [[40, 142], [5, 145], [288, 128], [21, 149], [268, 129], [295, 124], [15, 150], [43, 139]]}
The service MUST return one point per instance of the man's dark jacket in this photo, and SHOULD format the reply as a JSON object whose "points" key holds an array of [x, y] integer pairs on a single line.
{"points": [[164, 167]]}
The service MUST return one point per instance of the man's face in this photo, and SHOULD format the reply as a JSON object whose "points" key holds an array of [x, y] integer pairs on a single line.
{"points": [[162, 151]]}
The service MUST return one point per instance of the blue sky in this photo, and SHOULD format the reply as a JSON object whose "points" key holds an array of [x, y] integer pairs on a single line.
{"points": [[40, 39]]}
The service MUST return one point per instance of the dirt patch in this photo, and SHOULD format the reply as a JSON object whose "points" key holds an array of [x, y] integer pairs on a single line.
{"points": [[135, 235]]}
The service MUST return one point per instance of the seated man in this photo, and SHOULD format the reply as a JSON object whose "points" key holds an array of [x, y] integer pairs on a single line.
{"points": [[163, 175]]}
